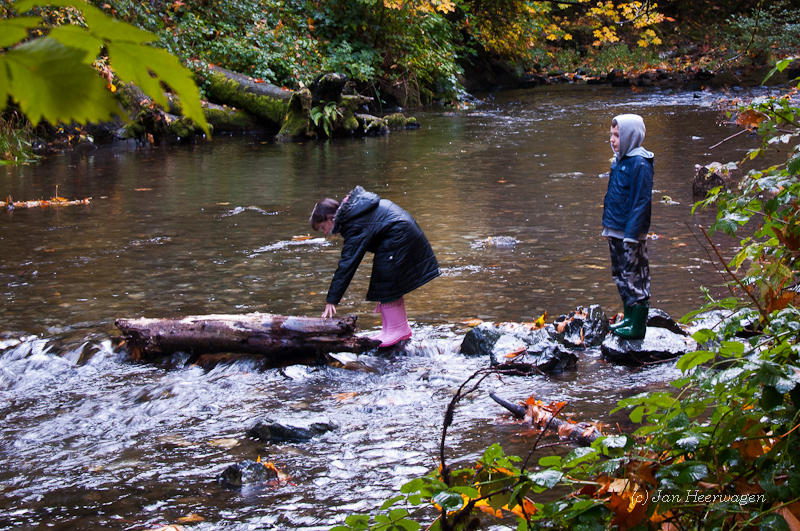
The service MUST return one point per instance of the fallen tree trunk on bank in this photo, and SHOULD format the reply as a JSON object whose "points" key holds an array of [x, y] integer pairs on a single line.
{"points": [[544, 416], [268, 103], [284, 340]]}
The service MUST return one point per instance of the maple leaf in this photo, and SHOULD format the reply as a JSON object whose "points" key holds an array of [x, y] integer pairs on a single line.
{"points": [[750, 119]]}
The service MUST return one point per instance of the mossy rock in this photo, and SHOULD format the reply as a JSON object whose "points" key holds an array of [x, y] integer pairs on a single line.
{"points": [[372, 125], [399, 121]]}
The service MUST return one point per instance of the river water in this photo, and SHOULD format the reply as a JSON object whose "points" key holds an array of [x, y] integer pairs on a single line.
{"points": [[90, 439]]}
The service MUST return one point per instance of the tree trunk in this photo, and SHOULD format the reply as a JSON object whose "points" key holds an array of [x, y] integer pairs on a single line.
{"points": [[266, 102], [540, 415], [285, 340]]}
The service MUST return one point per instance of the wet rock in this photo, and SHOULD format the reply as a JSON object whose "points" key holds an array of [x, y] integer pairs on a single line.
{"points": [[582, 327], [399, 121], [503, 242], [712, 175], [246, 473], [659, 344], [661, 319], [519, 346], [276, 432], [372, 125]]}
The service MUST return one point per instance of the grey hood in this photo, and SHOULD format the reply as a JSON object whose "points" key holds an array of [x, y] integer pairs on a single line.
{"points": [[631, 135]]}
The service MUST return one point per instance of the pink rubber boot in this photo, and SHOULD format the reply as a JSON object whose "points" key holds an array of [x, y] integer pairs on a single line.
{"points": [[395, 323]]}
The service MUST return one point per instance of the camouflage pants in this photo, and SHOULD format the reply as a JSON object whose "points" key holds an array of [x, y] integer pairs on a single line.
{"points": [[630, 269]]}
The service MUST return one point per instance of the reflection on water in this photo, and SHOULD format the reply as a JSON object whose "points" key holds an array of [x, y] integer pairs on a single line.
{"points": [[510, 196]]}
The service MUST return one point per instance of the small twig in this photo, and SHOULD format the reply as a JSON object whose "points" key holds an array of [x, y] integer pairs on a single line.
{"points": [[729, 138], [711, 259], [539, 437], [761, 310]]}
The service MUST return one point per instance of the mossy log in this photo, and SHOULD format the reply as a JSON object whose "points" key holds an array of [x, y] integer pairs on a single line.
{"points": [[297, 122], [541, 415], [265, 101], [224, 119], [285, 340]]}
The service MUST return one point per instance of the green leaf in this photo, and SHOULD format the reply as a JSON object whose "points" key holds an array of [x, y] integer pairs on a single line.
{"points": [[546, 478], [134, 62], [4, 82], [637, 414], [693, 359], [615, 441], [448, 500], [579, 455], [770, 398], [731, 349], [133, 67], [391, 501], [794, 165], [704, 335], [51, 81], [550, 460], [15, 29], [78, 37]]}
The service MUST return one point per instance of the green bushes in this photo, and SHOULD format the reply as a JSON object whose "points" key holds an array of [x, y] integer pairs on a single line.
{"points": [[16, 138]]}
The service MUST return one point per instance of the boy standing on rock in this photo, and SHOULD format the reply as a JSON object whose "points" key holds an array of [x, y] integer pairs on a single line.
{"points": [[626, 220]]}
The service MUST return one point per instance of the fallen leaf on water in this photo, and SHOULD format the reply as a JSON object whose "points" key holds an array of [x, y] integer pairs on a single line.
{"points": [[750, 118], [301, 238], [224, 443], [169, 528], [142, 189], [224, 203], [562, 326], [341, 397], [515, 353], [192, 517], [472, 322]]}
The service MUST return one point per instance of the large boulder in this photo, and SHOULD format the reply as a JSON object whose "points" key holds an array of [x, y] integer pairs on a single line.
{"points": [[521, 346], [659, 344], [269, 431]]}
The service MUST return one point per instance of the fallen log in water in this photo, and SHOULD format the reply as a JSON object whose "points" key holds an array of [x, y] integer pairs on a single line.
{"points": [[543, 416], [285, 340]]}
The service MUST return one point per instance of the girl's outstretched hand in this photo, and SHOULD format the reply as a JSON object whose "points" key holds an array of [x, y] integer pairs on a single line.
{"points": [[330, 311]]}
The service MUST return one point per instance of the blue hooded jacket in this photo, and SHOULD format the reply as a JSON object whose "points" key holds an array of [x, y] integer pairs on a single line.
{"points": [[627, 204]]}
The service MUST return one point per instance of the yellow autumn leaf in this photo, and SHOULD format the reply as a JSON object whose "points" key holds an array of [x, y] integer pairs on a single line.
{"points": [[190, 518]]}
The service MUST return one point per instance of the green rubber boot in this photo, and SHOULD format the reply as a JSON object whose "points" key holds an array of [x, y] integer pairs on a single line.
{"points": [[626, 318], [638, 326]]}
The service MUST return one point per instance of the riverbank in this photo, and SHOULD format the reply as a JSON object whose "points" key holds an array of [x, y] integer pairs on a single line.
{"points": [[331, 107]]}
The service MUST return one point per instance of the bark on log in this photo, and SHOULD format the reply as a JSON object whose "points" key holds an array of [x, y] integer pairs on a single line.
{"points": [[581, 433], [285, 340]]}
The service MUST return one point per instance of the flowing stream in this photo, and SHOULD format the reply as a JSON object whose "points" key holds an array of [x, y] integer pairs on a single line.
{"points": [[90, 439]]}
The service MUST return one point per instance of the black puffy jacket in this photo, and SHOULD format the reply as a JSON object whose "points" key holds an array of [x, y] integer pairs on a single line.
{"points": [[403, 258]]}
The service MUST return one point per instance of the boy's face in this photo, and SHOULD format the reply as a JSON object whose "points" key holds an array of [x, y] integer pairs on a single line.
{"points": [[326, 227], [614, 138]]}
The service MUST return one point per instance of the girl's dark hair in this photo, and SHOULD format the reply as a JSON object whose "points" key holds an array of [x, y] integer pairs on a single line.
{"points": [[323, 211]]}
